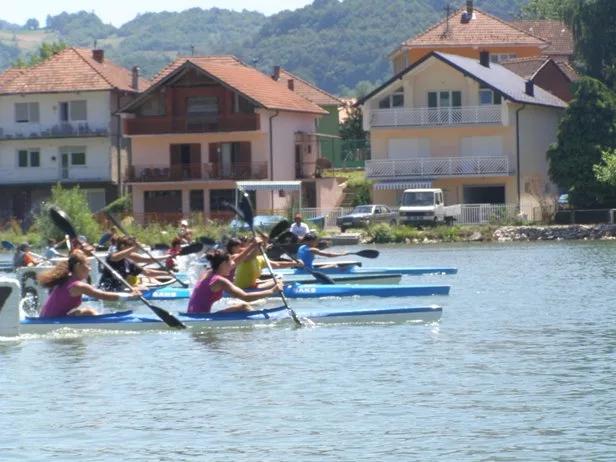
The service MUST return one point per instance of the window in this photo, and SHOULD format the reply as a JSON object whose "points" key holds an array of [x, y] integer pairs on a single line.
{"points": [[445, 98], [78, 158], [73, 156], [488, 96], [28, 158], [26, 113], [241, 105], [73, 111], [200, 106], [497, 58], [396, 99], [218, 196], [96, 199]]}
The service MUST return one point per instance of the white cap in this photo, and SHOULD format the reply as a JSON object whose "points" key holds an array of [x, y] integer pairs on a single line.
{"points": [[184, 222]]}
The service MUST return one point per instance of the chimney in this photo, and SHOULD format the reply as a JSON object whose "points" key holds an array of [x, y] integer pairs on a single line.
{"points": [[98, 56], [276, 74], [484, 58], [530, 88], [135, 84], [291, 84], [469, 9]]}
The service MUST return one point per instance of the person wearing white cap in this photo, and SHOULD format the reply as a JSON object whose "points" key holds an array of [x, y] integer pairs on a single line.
{"points": [[185, 233]]}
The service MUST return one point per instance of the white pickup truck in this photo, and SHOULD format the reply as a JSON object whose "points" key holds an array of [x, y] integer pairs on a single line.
{"points": [[424, 207]]}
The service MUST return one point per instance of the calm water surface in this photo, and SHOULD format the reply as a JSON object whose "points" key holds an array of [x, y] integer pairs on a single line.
{"points": [[521, 367]]}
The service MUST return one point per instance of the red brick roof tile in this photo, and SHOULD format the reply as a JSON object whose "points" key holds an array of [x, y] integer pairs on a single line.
{"points": [[10, 74], [247, 80], [527, 67], [308, 90], [482, 30], [554, 32], [72, 69]]}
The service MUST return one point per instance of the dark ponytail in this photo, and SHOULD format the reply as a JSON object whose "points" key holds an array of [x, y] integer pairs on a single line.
{"points": [[216, 258]]}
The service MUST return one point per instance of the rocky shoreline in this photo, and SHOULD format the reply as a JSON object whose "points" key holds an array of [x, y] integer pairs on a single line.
{"points": [[555, 233]]}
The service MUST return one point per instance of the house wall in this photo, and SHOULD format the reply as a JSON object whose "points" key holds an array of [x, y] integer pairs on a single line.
{"points": [[551, 79], [415, 54], [330, 125]]}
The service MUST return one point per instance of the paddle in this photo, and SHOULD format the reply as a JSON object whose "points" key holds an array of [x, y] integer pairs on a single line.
{"points": [[8, 245], [62, 221], [118, 225], [278, 229], [104, 238], [191, 248], [367, 253], [207, 241], [245, 214]]}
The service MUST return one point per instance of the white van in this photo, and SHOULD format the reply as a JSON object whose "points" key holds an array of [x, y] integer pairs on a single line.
{"points": [[423, 207]]}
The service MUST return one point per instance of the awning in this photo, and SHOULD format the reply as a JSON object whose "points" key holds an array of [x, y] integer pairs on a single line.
{"points": [[402, 185], [269, 185]]}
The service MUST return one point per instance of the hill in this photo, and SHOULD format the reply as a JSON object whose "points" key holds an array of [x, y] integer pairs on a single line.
{"points": [[334, 44]]}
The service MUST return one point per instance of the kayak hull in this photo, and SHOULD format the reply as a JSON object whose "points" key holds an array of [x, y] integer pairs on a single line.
{"points": [[355, 270], [364, 278], [130, 321]]}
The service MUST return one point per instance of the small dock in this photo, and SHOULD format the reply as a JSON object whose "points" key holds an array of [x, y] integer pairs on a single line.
{"points": [[344, 239]]}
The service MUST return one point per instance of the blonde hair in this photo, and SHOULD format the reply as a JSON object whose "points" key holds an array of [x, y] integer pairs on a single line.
{"points": [[60, 273]]}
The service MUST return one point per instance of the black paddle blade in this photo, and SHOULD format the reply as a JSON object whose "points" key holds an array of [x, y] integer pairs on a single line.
{"points": [[191, 248], [165, 316], [62, 221], [116, 222], [278, 229], [285, 235], [322, 277], [234, 209], [207, 241], [246, 208], [368, 253]]}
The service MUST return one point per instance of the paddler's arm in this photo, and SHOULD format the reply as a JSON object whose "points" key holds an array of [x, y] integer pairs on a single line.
{"points": [[124, 253], [154, 272], [138, 258], [81, 288], [328, 254], [229, 287]]}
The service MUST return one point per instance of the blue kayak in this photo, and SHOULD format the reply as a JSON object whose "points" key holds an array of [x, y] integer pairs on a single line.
{"points": [[131, 321], [359, 271], [297, 290]]}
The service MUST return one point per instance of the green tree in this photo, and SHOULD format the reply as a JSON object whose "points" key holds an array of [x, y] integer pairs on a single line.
{"points": [[587, 128], [31, 24], [593, 24], [75, 203], [605, 172], [45, 51], [543, 9]]}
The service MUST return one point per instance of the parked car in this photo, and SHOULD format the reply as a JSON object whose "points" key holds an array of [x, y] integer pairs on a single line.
{"points": [[263, 222], [363, 216]]}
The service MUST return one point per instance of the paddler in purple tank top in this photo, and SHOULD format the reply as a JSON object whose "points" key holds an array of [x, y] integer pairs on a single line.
{"points": [[214, 282], [65, 281]]}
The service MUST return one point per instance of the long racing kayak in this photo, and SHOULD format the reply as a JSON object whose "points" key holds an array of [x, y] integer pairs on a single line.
{"points": [[359, 271], [131, 321], [297, 290]]}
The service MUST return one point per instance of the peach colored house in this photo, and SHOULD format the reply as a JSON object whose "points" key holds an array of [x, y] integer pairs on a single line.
{"points": [[206, 123], [57, 126], [466, 32], [469, 126]]}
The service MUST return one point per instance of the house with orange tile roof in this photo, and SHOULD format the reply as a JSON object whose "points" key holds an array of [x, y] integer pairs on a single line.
{"points": [[57, 126], [560, 41], [556, 77], [205, 127], [327, 130], [469, 126], [467, 32]]}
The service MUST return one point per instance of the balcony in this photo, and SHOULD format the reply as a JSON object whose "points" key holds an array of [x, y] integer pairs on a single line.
{"points": [[62, 130], [185, 125], [42, 175], [438, 167], [430, 117], [197, 172]]}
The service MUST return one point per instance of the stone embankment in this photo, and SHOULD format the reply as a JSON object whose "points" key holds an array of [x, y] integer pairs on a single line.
{"points": [[554, 233]]}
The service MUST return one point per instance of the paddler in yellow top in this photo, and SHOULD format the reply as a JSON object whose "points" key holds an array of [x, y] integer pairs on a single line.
{"points": [[248, 272]]}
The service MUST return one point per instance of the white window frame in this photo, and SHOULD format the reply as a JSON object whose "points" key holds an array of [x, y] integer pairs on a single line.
{"points": [[29, 151], [390, 105], [498, 57], [438, 97], [30, 109]]}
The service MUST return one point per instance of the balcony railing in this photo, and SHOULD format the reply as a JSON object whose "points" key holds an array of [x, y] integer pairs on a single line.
{"points": [[170, 125], [30, 175], [59, 130], [197, 172], [444, 116], [438, 167]]}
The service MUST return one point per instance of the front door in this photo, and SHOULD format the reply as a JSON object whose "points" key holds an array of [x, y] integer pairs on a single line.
{"points": [[226, 159]]}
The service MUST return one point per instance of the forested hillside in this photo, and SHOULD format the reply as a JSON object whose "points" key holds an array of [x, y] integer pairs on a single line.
{"points": [[331, 43]]}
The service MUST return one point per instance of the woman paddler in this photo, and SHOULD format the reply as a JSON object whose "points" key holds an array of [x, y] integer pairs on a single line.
{"points": [[214, 282], [65, 282], [308, 250]]}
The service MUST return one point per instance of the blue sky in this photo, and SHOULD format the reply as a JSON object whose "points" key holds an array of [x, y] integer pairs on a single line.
{"points": [[118, 12]]}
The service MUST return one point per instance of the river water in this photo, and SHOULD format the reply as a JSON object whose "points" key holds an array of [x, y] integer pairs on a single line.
{"points": [[521, 367]]}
